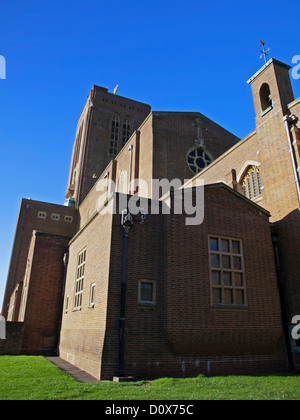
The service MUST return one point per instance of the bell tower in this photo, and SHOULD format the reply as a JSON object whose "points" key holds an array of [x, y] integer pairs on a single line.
{"points": [[272, 96], [271, 89], [106, 123]]}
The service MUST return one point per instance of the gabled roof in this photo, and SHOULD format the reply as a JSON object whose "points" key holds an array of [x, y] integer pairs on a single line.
{"points": [[221, 185]]}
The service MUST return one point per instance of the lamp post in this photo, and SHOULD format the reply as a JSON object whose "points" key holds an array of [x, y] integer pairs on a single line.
{"points": [[127, 222]]}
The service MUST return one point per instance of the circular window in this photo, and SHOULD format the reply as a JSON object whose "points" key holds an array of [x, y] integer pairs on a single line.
{"points": [[198, 159]]}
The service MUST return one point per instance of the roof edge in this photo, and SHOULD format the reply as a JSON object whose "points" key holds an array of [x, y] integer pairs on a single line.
{"points": [[272, 60], [221, 185]]}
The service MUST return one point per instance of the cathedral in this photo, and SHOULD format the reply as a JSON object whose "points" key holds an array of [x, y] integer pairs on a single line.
{"points": [[176, 252]]}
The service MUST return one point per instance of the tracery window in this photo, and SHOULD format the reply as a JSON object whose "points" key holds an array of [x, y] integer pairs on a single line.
{"points": [[251, 183], [198, 159], [114, 138], [126, 131]]}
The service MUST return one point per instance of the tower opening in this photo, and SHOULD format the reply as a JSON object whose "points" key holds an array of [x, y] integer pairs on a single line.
{"points": [[265, 97]]}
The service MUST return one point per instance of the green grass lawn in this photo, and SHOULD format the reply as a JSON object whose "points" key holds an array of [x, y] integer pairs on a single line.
{"points": [[35, 378]]}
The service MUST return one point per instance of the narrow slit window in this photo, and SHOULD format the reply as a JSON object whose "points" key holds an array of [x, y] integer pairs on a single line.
{"points": [[126, 131], [114, 138], [92, 295]]}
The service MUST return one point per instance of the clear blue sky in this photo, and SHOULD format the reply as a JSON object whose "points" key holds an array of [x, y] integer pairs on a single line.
{"points": [[174, 55]]}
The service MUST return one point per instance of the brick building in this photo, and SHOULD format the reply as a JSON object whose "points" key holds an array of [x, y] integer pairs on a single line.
{"points": [[119, 282]]}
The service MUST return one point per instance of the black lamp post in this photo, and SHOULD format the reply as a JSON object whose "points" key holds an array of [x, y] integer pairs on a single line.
{"points": [[127, 222]]}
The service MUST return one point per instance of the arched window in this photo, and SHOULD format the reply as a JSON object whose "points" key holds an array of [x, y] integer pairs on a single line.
{"points": [[126, 131], [114, 138], [198, 159], [251, 183], [265, 97]]}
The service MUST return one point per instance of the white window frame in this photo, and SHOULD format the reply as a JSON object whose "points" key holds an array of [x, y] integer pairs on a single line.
{"points": [[79, 279], [92, 294], [67, 304]]}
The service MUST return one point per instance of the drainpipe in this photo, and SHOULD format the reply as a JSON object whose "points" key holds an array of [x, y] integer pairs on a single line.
{"points": [[292, 119], [65, 263], [284, 317], [130, 169], [127, 222]]}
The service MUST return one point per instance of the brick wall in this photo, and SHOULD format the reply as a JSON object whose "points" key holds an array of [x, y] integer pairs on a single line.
{"points": [[93, 136], [14, 339], [268, 148], [28, 221], [83, 331], [175, 134], [183, 335], [159, 151], [43, 294]]}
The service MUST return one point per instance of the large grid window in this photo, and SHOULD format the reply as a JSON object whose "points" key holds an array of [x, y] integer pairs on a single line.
{"points": [[114, 138], [227, 271], [126, 131], [251, 183], [79, 279]]}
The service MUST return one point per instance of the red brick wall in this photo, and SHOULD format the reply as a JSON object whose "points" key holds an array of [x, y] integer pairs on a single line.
{"points": [[83, 331], [174, 134], [44, 290], [27, 222], [269, 147], [183, 335], [14, 339]]}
